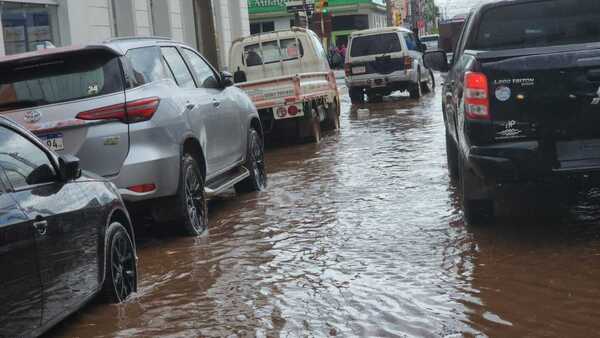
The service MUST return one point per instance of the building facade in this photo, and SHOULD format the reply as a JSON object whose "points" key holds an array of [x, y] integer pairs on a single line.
{"points": [[28, 25], [346, 17]]}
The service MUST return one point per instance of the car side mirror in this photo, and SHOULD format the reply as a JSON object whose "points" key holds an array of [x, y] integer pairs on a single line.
{"points": [[69, 167], [436, 60], [41, 174], [226, 79]]}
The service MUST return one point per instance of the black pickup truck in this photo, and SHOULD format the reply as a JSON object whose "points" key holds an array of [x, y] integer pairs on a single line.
{"points": [[522, 97]]}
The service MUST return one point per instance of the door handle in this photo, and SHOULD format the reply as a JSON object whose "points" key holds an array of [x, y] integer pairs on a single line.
{"points": [[190, 106], [41, 227], [216, 103]]}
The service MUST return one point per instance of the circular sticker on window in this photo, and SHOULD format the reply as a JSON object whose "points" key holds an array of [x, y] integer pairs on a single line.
{"points": [[503, 93]]}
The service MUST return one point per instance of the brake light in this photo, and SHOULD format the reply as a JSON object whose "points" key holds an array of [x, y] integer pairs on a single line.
{"points": [[293, 110], [348, 69], [477, 103], [131, 112], [408, 62], [142, 188]]}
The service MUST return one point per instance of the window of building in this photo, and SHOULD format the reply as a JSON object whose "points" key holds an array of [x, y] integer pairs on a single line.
{"points": [[122, 12], [350, 22], [161, 23], [178, 67], [28, 27], [23, 162]]}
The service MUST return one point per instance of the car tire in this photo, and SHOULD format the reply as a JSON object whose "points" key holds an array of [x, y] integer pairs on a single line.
{"points": [[255, 163], [429, 85], [357, 95], [120, 275], [333, 116], [415, 88], [451, 156], [192, 206], [478, 207]]}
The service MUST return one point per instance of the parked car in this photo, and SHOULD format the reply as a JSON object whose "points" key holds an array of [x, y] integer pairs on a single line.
{"points": [[287, 75], [150, 114], [522, 98], [431, 41], [65, 236], [382, 60]]}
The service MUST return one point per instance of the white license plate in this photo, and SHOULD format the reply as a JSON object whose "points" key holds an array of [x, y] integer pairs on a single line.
{"points": [[359, 70], [53, 141]]}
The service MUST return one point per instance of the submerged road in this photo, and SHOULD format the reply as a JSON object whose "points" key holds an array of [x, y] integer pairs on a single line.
{"points": [[362, 235]]}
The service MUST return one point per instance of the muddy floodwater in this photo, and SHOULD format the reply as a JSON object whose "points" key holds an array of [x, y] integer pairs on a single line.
{"points": [[362, 235]]}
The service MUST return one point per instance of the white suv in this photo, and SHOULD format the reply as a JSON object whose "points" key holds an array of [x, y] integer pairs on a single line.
{"points": [[380, 61]]}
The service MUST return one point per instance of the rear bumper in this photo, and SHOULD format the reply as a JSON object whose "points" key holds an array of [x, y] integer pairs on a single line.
{"points": [[523, 161], [367, 81]]}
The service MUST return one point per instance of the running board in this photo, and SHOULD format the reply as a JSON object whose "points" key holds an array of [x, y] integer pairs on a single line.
{"points": [[226, 181]]}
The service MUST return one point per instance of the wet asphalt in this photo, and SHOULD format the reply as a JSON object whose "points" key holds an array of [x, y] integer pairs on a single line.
{"points": [[362, 236]]}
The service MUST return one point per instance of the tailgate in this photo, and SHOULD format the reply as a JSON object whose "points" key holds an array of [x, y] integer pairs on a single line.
{"points": [[46, 93], [550, 97]]}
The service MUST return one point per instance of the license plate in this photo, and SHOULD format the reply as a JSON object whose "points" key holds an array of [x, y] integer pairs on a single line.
{"points": [[359, 70], [53, 141]]}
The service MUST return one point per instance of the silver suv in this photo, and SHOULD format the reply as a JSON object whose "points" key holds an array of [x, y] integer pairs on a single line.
{"points": [[150, 114]]}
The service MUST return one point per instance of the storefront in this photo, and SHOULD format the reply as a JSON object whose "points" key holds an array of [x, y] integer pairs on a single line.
{"points": [[28, 26], [347, 16]]}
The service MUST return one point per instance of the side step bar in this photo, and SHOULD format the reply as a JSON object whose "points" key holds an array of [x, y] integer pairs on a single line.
{"points": [[217, 186]]}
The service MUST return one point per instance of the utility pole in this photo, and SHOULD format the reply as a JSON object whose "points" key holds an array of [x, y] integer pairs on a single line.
{"points": [[390, 12]]}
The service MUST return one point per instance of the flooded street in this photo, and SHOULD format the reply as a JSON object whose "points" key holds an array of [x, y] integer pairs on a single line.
{"points": [[362, 235]]}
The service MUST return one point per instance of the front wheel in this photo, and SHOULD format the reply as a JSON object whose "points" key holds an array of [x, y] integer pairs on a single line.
{"points": [[192, 206], [429, 85], [120, 275], [255, 163]]}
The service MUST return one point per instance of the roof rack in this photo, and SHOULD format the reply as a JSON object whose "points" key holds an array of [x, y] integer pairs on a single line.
{"points": [[134, 38]]}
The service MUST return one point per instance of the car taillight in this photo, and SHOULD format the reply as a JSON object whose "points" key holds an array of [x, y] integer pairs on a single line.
{"points": [[477, 103], [293, 110], [348, 69], [408, 61], [142, 188], [130, 112]]}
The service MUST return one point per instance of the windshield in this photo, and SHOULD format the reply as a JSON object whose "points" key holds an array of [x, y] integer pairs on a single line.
{"points": [[375, 44], [64, 78], [539, 24]]}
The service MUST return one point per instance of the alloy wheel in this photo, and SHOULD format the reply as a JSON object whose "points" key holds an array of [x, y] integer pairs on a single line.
{"points": [[258, 160], [123, 266], [194, 200]]}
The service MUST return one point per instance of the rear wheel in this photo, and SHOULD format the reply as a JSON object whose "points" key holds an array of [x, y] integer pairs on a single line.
{"points": [[415, 88], [478, 207], [375, 98], [120, 275], [333, 116], [192, 207], [255, 163], [357, 95]]}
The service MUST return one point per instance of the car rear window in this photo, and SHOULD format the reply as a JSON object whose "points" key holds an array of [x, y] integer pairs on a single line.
{"points": [[375, 44], [60, 79], [539, 24], [273, 51]]}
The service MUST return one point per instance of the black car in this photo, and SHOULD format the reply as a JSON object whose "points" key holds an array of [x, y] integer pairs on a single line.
{"points": [[65, 236], [522, 98]]}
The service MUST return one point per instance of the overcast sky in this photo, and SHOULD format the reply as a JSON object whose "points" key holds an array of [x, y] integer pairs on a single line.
{"points": [[453, 7]]}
